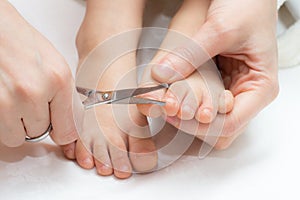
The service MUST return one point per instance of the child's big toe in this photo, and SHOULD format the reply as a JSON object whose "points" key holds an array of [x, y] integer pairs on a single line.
{"points": [[83, 156]]}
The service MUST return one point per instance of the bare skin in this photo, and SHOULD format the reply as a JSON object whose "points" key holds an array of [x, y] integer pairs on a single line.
{"points": [[189, 98], [34, 81], [117, 152], [247, 58], [110, 152]]}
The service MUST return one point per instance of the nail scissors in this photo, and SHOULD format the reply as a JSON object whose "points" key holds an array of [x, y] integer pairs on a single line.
{"points": [[96, 98], [125, 96]]}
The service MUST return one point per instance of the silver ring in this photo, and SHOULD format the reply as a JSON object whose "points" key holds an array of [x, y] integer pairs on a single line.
{"points": [[41, 137]]}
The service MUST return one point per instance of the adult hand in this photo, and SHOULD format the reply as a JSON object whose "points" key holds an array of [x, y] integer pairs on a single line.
{"points": [[243, 34], [36, 84]]}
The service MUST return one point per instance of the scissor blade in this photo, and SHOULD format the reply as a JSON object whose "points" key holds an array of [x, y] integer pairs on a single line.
{"points": [[92, 104], [127, 93], [131, 100], [137, 100], [84, 91]]}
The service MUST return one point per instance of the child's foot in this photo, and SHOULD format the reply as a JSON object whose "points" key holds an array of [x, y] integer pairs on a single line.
{"points": [[123, 143], [202, 94], [191, 98]]}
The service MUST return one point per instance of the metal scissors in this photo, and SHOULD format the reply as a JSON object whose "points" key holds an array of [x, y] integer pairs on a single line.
{"points": [[125, 96], [96, 98]]}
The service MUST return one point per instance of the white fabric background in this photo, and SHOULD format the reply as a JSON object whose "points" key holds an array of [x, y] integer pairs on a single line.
{"points": [[262, 164]]}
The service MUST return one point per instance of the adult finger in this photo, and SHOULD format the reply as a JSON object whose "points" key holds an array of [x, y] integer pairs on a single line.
{"points": [[211, 40], [64, 107], [12, 132], [36, 119]]}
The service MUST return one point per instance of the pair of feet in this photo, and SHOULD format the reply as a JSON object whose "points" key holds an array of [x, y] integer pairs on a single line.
{"points": [[124, 144]]}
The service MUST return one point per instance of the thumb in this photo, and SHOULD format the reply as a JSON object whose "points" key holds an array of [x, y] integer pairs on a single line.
{"points": [[185, 59]]}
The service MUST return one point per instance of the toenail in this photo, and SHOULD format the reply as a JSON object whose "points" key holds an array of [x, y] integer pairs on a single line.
{"points": [[207, 112], [188, 110], [125, 168], [105, 168], [87, 161], [170, 102]]}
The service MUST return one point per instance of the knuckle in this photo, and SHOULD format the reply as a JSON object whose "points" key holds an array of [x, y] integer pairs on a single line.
{"points": [[28, 91], [61, 76]]}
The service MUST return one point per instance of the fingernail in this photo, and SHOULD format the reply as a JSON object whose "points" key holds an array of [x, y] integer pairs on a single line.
{"points": [[163, 72]]}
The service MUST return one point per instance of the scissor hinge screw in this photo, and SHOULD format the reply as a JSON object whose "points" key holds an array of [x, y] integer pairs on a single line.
{"points": [[105, 96]]}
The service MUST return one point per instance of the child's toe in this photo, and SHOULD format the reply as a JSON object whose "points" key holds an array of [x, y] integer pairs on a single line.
{"points": [[102, 159], [226, 102], [189, 107], [148, 109], [142, 153], [83, 156], [119, 158], [172, 104], [208, 109], [69, 150], [174, 97]]}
